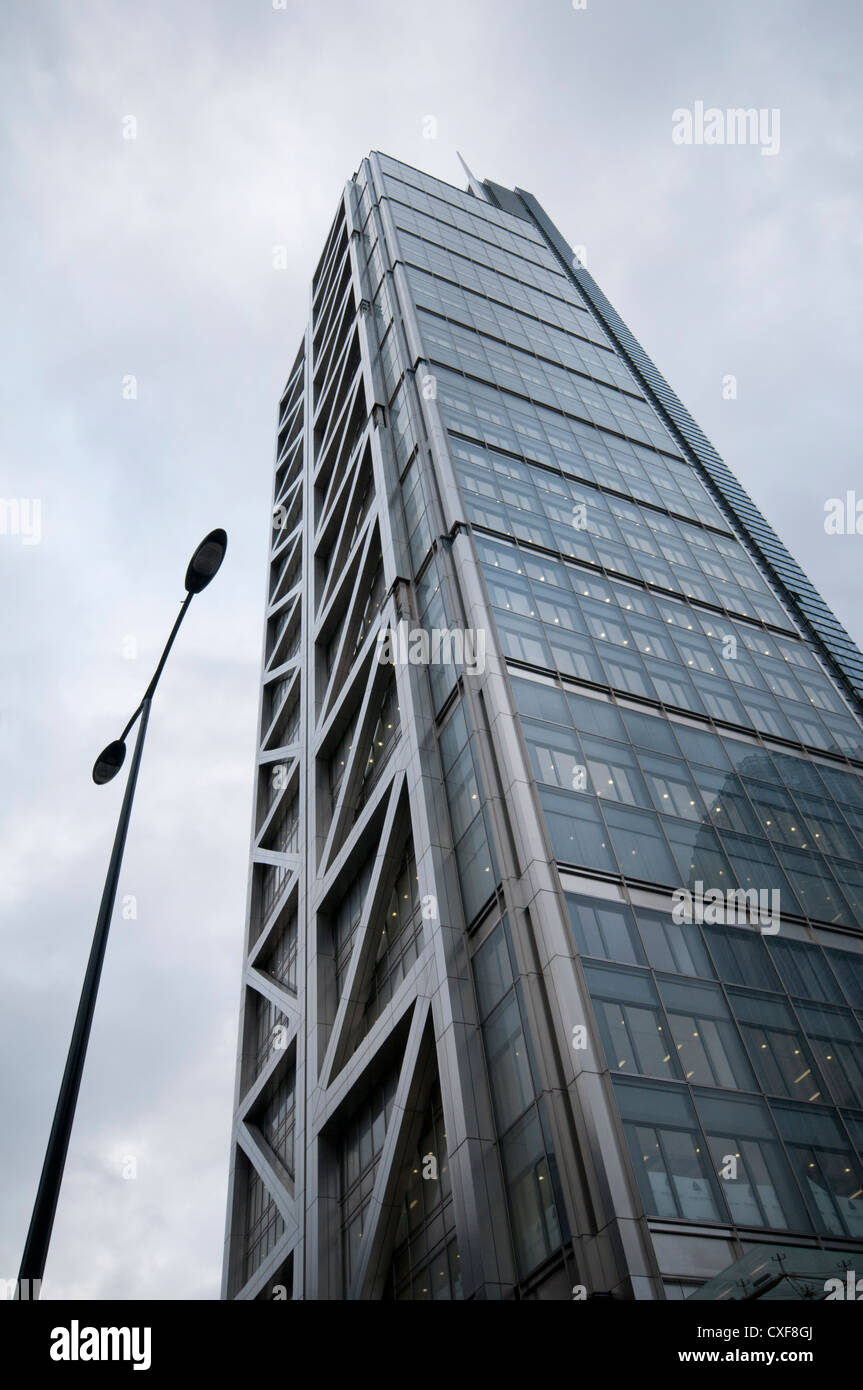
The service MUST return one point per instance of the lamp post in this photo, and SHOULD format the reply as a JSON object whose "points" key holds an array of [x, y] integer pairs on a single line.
{"points": [[202, 568]]}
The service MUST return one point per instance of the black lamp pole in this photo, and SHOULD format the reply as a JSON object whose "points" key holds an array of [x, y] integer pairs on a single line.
{"points": [[202, 567]]}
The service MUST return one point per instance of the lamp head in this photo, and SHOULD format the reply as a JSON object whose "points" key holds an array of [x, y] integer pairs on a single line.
{"points": [[205, 562], [109, 762]]}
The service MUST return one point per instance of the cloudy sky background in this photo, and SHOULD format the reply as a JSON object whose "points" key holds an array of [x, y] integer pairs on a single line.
{"points": [[153, 257]]}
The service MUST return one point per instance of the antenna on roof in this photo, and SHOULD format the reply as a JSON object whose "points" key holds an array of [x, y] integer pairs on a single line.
{"points": [[474, 184]]}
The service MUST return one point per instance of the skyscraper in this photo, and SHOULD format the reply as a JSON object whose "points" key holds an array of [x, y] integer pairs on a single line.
{"points": [[553, 983]]}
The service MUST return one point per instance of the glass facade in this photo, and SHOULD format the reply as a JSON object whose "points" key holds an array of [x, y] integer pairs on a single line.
{"points": [[536, 1213], [426, 1262], [666, 1009], [577, 927]]}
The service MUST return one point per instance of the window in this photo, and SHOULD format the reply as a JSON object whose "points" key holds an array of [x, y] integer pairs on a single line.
{"points": [[854, 1125], [530, 1183], [755, 865], [837, 1043], [542, 701], [462, 791], [719, 698], [741, 957], [281, 960], [698, 854], [264, 1224], [815, 886], [535, 1204], [604, 929], [476, 868], [523, 640], [672, 788], [373, 605], [804, 971], [508, 1063], [755, 1178], [673, 686], [578, 835], [339, 761], [346, 919], [361, 1148], [634, 1031], [828, 1172], [671, 1168], [614, 772], [386, 732], [764, 714], [559, 610], [673, 947], [649, 731], [726, 803], [699, 746], [399, 939], [781, 1058], [575, 656], [625, 671], [639, 844], [828, 831], [283, 837], [426, 1262], [850, 880], [596, 717], [492, 970], [438, 1278], [848, 968], [277, 1122], [509, 592], [474, 855], [554, 753], [706, 1041], [268, 1032]]}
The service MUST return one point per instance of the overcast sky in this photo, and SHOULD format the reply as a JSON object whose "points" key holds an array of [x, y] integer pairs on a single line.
{"points": [[152, 258]]}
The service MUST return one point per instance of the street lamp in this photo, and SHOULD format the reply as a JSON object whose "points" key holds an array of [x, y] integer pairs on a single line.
{"points": [[202, 568]]}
